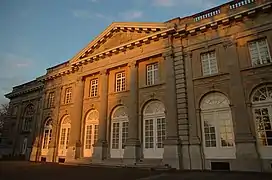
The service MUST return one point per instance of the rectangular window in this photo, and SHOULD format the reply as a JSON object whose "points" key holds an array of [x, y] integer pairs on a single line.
{"points": [[62, 138], [152, 74], [50, 100], [264, 125], [124, 133], [95, 133], [259, 52], [120, 81], [88, 137], [67, 137], [209, 131], [161, 132], [149, 134], [115, 136], [27, 123], [68, 95], [226, 134], [93, 87], [209, 63], [45, 139]]}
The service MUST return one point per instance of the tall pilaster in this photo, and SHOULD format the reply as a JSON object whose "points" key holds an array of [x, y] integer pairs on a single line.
{"points": [[37, 130], [100, 147], [132, 146], [194, 158], [171, 155], [76, 116], [53, 146], [245, 143]]}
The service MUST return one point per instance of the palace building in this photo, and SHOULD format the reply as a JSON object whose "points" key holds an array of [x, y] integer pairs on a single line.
{"points": [[191, 93]]}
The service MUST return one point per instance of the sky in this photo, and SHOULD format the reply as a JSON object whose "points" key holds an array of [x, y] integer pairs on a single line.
{"points": [[38, 34]]}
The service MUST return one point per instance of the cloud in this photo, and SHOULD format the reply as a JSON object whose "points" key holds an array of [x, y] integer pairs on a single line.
{"points": [[131, 15], [164, 3], [84, 14], [185, 3], [14, 70]]}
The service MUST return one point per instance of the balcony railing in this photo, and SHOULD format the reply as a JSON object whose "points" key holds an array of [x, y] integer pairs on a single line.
{"points": [[238, 4], [228, 8], [208, 14]]}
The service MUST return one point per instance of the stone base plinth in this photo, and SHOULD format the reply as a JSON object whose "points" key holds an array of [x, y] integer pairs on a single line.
{"points": [[100, 152], [132, 152], [171, 155]]}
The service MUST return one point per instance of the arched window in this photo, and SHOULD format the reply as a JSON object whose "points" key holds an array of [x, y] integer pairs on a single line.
{"points": [[262, 112], [217, 126], [64, 135], [154, 129], [119, 131], [47, 136], [28, 118], [91, 132]]}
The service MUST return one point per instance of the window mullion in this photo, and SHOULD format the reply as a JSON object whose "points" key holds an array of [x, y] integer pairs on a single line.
{"points": [[153, 74], [209, 62], [216, 124], [259, 54]]}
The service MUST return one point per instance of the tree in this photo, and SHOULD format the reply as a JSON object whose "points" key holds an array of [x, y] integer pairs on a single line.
{"points": [[3, 114]]}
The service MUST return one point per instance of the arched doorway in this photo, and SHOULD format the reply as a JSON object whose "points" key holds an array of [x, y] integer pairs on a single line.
{"points": [[119, 131], [262, 112], [64, 135], [217, 127], [154, 130], [91, 132], [47, 136]]}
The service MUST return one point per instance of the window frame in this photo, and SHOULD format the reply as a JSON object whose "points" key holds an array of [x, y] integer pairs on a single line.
{"points": [[93, 91], [68, 95], [154, 72], [209, 59], [122, 80], [256, 41], [50, 99]]}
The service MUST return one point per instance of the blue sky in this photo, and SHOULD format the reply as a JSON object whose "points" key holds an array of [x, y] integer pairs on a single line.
{"points": [[37, 34]]}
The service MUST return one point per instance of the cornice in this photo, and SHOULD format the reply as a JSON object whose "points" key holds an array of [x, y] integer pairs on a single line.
{"points": [[115, 27], [24, 91], [214, 24]]}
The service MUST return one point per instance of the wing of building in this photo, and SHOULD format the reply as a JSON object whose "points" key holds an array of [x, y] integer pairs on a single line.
{"points": [[189, 93]]}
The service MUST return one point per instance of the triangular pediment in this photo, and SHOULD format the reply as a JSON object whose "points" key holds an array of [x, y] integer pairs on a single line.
{"points": [[117, 34]]}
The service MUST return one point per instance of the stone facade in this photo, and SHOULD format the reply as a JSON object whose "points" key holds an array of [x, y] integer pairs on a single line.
{"points": [[140, 93]]}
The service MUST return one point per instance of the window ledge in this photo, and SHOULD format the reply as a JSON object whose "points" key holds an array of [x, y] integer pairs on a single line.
{"points": [[210, 76], [49, 107], [95, 97], [120, 92], [153, 85], [256, 67], [68, 104]]}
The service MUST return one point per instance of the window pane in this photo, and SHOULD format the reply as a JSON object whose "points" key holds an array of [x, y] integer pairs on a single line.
{"points": [[209, 63], [149, 136], [263, 125], [259, 52]]}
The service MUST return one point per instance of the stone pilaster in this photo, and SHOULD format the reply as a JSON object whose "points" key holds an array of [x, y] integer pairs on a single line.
{"points": [[246, 153], [56, 125], [37, 131], [171, 155], [100, 148], [195, 160], [74, 148], [132, 146]]}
